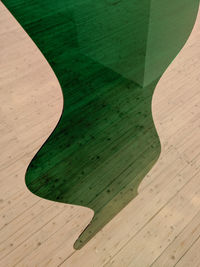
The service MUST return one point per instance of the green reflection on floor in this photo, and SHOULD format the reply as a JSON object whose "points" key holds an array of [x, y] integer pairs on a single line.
{"points": [[108, 56]]}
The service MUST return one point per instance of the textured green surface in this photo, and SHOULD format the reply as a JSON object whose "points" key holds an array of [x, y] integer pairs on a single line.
{"points": [[108, 56]]}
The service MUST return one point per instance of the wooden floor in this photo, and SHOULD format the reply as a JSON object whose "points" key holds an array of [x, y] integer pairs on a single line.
{"points": [[160, 227]]}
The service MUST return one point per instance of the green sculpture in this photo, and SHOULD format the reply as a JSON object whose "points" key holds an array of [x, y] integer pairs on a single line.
{"points": [[108, 56]]}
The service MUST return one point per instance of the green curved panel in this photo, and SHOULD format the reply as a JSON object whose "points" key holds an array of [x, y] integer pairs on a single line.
{"points": [[108, 57]]}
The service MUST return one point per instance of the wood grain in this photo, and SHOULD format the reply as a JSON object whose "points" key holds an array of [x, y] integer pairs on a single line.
{"points": [[160, 227]]}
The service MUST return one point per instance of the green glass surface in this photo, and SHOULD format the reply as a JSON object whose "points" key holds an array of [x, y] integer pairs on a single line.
{"points": [[108, 56]]}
